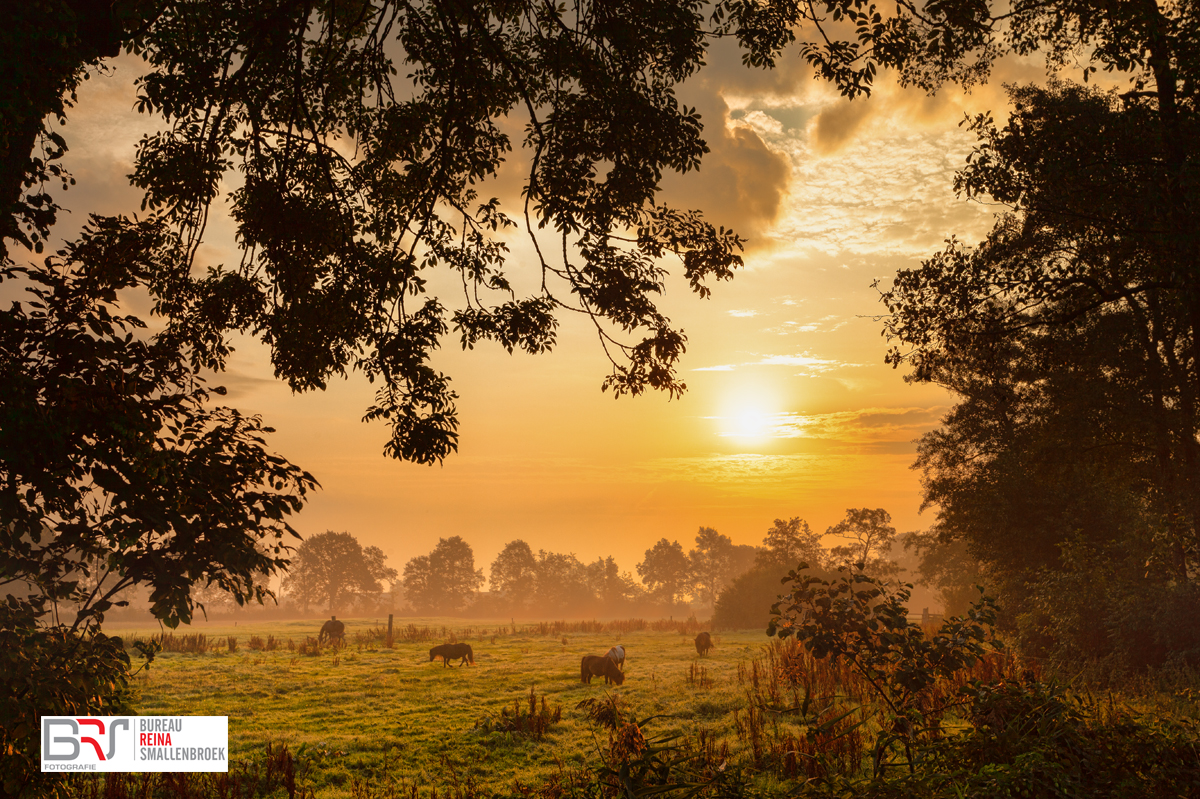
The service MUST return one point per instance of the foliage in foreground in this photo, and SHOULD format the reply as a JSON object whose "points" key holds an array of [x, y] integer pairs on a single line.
{"points": [[115, 472], [1023, 737]]}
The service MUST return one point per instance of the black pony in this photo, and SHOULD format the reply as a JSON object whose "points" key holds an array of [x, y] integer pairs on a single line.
{"points": [[448, 652]]}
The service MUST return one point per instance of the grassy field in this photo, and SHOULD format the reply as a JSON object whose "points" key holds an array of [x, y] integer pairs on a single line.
{"points": [[367, 715], [372, 721]]}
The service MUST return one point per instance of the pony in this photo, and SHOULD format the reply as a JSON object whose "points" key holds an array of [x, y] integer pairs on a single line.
{"points": [[704, 644], [617, 655], [597, 666], [332, 630], [448, 652]]}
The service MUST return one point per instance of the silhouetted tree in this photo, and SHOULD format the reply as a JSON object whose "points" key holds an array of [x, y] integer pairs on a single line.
{"points": [[445, 580], [333, 246], [514, 574], [710, 564], [870, 534], [118, 475], [947, 566], [789, 542], [613, 589], [562, 582], [665, 571], [1070, 467], [333, 570]]}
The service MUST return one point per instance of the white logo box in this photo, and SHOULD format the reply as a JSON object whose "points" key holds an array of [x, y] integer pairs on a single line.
{"points": [[135, 743]]}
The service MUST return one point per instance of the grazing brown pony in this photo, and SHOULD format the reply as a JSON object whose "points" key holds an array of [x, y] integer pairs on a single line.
{"points": [[332, 630], [448, 652], [704, 644], [617, 655], [598, 666]]}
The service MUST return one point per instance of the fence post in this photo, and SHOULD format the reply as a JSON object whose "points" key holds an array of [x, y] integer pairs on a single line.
{"points": [[389, 638]]}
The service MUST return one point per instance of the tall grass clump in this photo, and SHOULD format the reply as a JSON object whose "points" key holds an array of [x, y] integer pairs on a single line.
{"points": [[191, 643], [525, 718]]}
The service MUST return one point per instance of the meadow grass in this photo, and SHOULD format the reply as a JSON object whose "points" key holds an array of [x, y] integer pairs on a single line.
{"points": [[366, 714], [370, 721]]}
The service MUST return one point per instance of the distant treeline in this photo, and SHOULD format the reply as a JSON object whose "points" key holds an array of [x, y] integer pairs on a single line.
{"points": [[332, 573]]}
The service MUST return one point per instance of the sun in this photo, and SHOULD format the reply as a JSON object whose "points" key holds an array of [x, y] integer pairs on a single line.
{"points": [[749, 423], [749, 411], [748, 419]]}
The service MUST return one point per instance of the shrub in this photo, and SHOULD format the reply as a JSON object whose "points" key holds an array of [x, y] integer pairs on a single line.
{"points": [[1030, 739], [53, 672]]}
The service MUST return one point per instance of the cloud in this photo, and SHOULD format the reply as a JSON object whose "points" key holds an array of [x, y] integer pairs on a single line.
{"points": [[787, 328], [239, 385], [864, 430], [805, 360], [743, 314], [820, 325], [811, 364], [838, 123], [873, 176], [865, 425], [741, 183]]}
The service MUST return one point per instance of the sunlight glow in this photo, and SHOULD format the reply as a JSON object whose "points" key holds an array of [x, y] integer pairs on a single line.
{"points": [[749, 423], [749, 417]]}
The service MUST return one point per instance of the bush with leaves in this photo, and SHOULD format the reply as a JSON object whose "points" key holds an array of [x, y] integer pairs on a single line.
{"points": [[52, 672], [1023, 739], [1033, 740], [857, 618]]}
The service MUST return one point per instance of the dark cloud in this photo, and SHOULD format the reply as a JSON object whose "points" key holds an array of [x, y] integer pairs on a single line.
{"points": [[838, 123]]}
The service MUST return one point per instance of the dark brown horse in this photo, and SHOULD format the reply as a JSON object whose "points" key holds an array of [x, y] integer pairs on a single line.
{"points": [[448, 652], [704, 644], [332, 630], [599, 666]]}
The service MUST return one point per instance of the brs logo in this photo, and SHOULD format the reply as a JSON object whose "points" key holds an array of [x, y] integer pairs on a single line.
{"points": [[70, 746]]}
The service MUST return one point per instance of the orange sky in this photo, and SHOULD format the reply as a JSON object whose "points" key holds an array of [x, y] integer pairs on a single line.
{"points": [[790, 409]]}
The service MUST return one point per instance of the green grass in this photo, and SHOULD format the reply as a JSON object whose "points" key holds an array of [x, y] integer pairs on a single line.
{"points": [[382, 715]]}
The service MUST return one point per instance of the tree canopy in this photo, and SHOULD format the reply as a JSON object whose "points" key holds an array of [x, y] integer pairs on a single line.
{"points": [[354, 145], [665, 571], [1069, 468], [445, 580], [869, 535], [710, 564], [333, 571], [513, 574], [789, 542]]}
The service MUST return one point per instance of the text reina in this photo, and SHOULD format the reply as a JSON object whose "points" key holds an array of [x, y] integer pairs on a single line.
{"points": [[157, 732]]}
